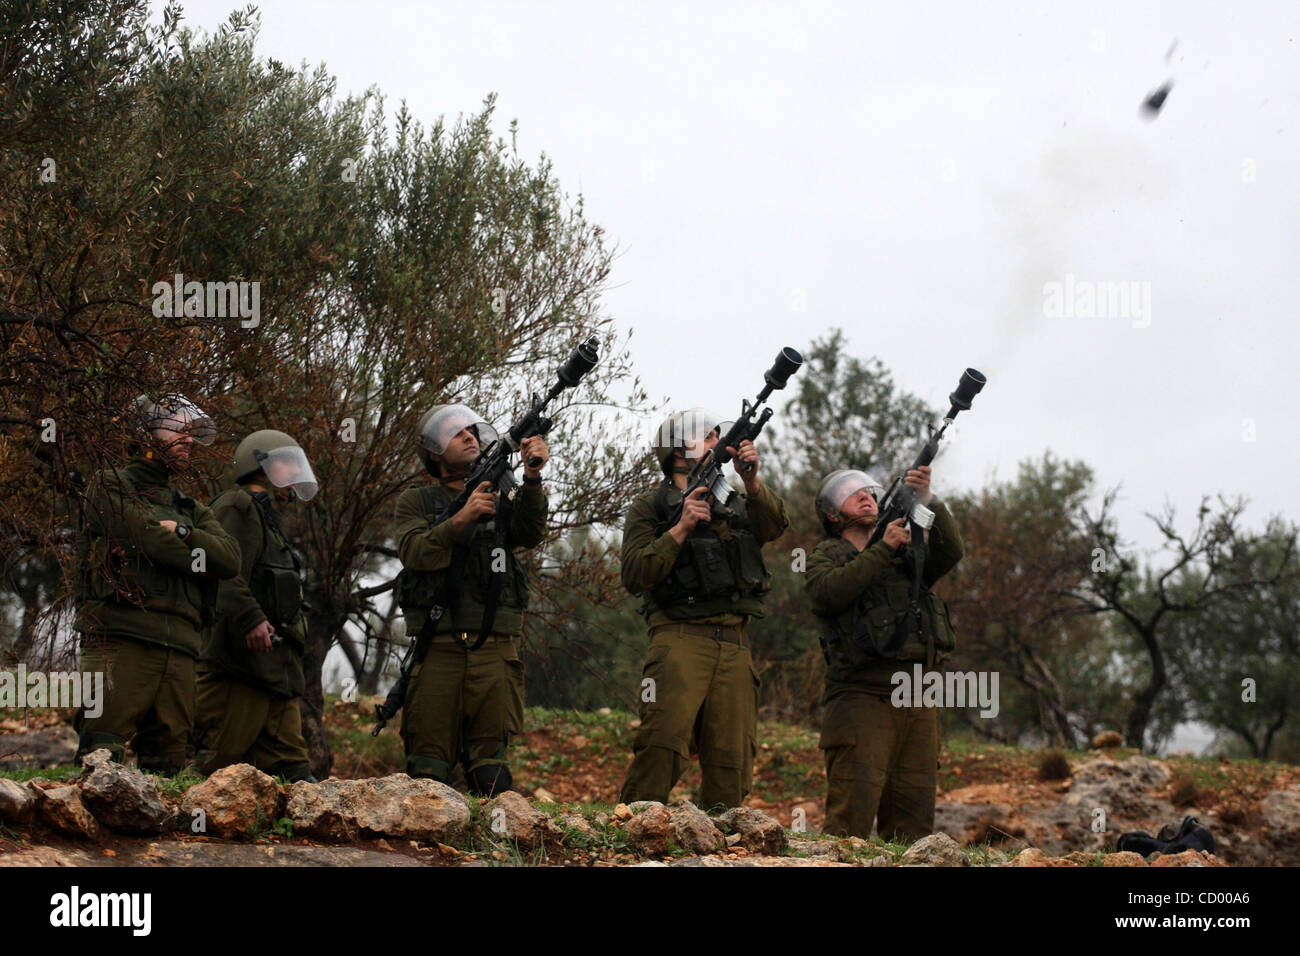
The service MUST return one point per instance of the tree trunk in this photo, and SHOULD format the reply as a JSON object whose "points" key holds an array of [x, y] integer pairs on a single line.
{"points": [[1140, 715]]}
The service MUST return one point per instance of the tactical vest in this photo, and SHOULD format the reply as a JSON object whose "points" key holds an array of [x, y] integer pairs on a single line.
{"points": [[115, 574], [417, 591], [712, 574], [858, 636], [276, 577]]}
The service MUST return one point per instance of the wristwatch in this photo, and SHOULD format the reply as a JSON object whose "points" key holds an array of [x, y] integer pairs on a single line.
{"points": [[182, 531]]}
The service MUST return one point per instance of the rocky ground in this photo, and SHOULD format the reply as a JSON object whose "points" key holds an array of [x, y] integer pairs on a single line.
{"points": [[992, 809]]}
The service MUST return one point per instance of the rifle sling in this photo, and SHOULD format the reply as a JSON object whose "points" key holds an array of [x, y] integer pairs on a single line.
{"points": [[912, 618], [501, 525]]}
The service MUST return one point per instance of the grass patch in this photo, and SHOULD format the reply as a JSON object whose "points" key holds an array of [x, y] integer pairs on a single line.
{"points": [[46, 773]]}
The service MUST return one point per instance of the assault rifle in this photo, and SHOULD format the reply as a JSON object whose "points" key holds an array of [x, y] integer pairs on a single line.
{"points": [[494, 466], [707, 472], [900, 501], [493, 463]]}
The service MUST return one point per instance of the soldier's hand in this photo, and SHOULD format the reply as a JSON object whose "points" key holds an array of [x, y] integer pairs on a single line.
{"points": [[534, 447], [481, 502], [259, 638], [918, 479], [746, 456], [169, 525], [897, 533], [694, 510]]}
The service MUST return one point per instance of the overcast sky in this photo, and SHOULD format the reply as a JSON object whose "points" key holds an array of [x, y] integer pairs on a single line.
{"points": [[918, 176]]}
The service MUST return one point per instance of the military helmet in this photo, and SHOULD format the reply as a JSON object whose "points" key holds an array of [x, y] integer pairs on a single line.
{"points": [[440, 424], [682, 429], [837, 487], [175, 413], [278, 457]]}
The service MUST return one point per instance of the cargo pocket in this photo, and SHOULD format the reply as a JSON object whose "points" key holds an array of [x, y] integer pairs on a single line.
{"points": [[653, 670], [839, 741], [514, 692]]}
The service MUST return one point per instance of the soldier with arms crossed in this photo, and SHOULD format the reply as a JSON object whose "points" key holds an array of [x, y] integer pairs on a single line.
{"points": [[149, 558]]}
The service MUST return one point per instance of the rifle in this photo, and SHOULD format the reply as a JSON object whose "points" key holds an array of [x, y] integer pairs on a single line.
{"points": [[493, 465], [707, 472], [900, 501]]}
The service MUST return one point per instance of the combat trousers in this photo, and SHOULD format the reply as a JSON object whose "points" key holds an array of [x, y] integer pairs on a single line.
{"points": [[463, 705], [880, 759], [699, 694], [240, 723], [148, 701]]}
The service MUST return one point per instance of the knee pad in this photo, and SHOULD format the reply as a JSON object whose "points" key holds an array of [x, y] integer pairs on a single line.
{"points": [[93, 740], [490, 779]]}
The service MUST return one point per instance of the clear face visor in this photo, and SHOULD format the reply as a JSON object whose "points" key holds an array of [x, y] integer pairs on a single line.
{"points": [[841, 488], [447, 423], [289, 466], [176, 413], [689, 430]]}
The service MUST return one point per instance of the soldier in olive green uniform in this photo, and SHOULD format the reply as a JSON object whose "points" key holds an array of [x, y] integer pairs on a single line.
{"points": [[880, 759], [250, 675], [703, 579], [465, 704], [149, 559]]}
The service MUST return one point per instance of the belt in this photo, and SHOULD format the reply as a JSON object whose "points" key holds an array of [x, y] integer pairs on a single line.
{"points": [[731, 635], [466, 637]]}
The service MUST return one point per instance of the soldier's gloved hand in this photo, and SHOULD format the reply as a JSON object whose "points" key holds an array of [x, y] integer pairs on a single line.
{"points": [[897, 533], [918, 479], [481, 502], [534, 447], [259, 638], [694, 510]]}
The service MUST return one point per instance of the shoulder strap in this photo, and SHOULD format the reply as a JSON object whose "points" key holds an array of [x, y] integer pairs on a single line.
{"points": [[661, 506]]}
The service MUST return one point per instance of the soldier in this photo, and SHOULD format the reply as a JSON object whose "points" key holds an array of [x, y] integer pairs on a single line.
{"points": [[703, 579], [465, 704], [149, 560], [879, 758], [250, 675]]}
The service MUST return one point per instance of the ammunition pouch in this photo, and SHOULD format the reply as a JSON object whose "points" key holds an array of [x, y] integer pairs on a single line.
{"points": [[877, 614], [279, 593], [710, 567]]}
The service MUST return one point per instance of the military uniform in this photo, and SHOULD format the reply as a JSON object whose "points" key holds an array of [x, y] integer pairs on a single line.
{"points": [[141, 609], [248, 700], [880, 759], [699, 597], [464, 704]]}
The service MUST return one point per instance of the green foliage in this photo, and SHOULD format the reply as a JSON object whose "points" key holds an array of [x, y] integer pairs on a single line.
{"points": [[42, 773], [1243, 635], [177, 784]]}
